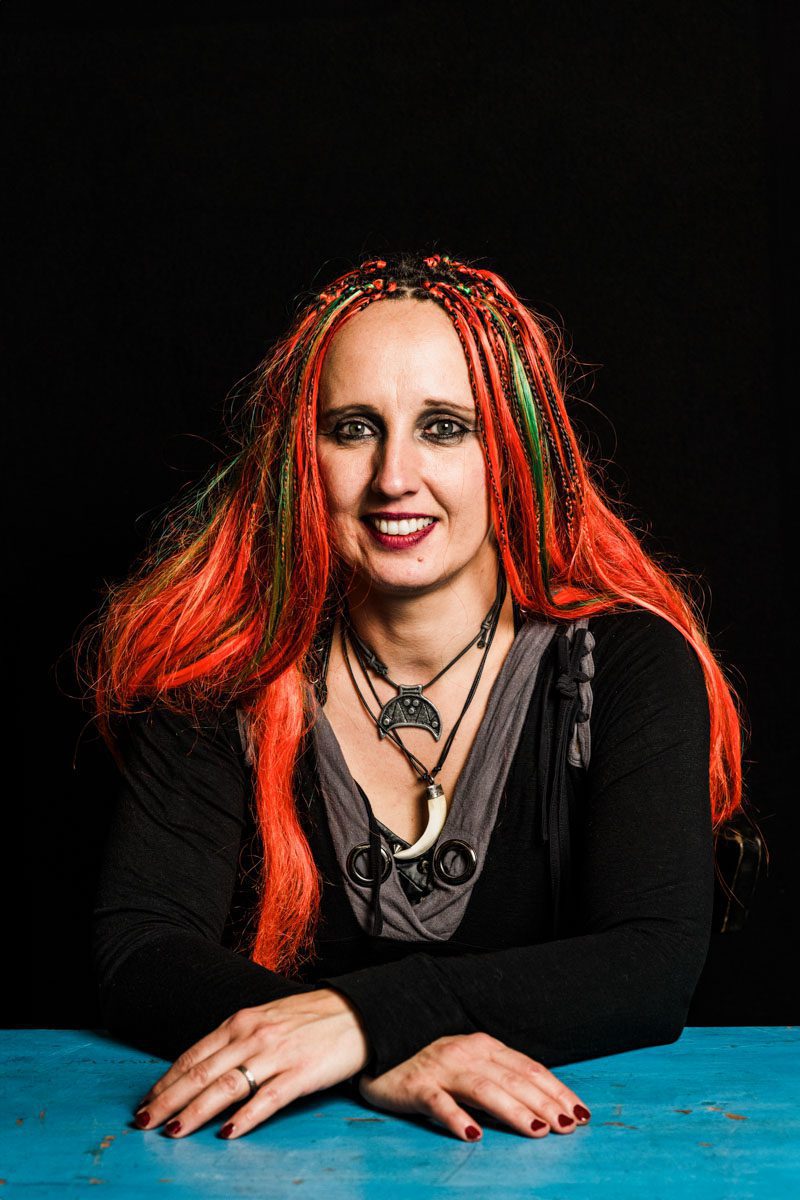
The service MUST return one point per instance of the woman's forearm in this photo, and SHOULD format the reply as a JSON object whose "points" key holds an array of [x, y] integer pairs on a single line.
{"points": [[558, 1002], [177, 986]]}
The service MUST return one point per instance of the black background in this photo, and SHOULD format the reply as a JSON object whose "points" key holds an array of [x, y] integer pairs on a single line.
{"points": [[179, 176]]}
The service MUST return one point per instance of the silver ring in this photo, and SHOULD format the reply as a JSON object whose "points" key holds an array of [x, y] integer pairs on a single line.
{"points": [[251, 1079]]}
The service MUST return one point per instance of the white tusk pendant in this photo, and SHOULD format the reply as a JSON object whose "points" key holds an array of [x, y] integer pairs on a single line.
{"points": [[437, 814]]}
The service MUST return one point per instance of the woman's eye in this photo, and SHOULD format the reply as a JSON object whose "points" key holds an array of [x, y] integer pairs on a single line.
{"points": [[453, 429], [356, 430], [343, 436]]}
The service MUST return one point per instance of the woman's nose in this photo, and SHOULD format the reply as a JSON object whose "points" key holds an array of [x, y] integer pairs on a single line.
{"points": [[397, 467]]}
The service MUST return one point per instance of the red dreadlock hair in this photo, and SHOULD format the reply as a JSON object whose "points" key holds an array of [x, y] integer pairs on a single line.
{"points": [[224, 607]]}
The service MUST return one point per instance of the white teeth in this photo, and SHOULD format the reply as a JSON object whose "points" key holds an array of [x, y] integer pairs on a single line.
{"points": [[402, 527]]}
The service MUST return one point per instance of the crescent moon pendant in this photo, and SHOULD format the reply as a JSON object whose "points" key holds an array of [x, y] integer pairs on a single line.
{"points": [[410, 708]]}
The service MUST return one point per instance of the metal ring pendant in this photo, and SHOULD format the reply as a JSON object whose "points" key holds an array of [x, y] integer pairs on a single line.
{"points": [[469, 869], [352, 864]]}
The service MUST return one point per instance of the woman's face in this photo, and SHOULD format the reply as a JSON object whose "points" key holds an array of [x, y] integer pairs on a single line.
{"points": [[397, 442]]}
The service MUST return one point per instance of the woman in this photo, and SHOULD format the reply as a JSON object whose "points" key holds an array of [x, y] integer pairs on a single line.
{"points": [[422, 753]]}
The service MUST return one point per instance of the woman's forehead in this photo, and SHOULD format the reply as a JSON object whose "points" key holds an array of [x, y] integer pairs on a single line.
{"points": [[404, 344]]}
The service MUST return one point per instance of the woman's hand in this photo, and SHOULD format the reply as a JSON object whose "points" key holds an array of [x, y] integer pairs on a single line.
{"points": [[293, 1046], [478, 1070]]}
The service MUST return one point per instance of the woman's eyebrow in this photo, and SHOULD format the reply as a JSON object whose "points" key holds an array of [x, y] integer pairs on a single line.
{"points": [[431, 402]]}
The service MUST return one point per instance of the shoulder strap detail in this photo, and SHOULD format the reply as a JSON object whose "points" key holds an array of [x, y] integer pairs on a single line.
{"points": [[573, 650], [582, 674]]}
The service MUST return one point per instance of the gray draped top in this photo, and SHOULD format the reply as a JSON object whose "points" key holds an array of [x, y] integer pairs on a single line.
{"points": [[416, 903]]}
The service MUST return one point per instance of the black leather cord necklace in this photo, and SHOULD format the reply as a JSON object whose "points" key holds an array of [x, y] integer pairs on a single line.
{"points": [[410, 708]]}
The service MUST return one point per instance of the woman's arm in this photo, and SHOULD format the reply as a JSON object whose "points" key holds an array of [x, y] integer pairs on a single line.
{"points": [[166, 884], [644, 880]]}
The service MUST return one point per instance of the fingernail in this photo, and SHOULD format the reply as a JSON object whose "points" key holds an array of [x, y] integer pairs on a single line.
{"points": [[227, 1130], [142, 1118], [537, 1124], [581, 1113], [563, 1120], [471, 1132], [172, 1127]]}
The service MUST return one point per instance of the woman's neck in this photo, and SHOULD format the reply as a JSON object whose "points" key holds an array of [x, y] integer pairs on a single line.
{"points": [[418, 635]]}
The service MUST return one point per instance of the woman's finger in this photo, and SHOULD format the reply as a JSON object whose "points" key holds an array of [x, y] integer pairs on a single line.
{"points": [[208, 1087], [273, 1095], [460, 1071], [513, 1100], [440, 1106], [201, 1050], [543, 1079], [412, 1095]]}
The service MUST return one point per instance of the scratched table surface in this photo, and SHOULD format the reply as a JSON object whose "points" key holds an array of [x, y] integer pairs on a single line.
{"points": [[714, 1115]]}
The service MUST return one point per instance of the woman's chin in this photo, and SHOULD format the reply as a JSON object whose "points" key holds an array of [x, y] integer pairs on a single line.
{"points": [[393, 578], [417, 577], [416, 570], [399, 583]]}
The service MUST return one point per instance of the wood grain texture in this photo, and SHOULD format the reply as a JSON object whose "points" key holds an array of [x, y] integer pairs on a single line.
{"points": [[712, 1116]]}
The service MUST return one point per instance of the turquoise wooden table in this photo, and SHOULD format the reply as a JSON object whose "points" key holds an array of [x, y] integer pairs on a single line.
{"points": [[714, 1115]]}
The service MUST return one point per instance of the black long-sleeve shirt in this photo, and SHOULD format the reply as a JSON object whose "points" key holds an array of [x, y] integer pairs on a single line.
{"points": [[176, 891]]}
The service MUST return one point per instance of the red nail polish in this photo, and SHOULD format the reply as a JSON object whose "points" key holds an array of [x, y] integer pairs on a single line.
{"points": [[172, 1127], [537, 1124], [472, 1133], [142, 1118], [581, 1113], [563, 1120], [227, 1130]]}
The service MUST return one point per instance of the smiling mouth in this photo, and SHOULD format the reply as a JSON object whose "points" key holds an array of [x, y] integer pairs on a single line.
{"points": [[399, 528]]}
